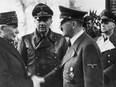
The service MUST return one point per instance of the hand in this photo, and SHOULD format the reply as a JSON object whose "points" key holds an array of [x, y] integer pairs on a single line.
{"points": [[37, 80]]}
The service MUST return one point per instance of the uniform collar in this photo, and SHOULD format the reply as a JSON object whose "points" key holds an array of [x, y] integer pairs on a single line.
{"points": [[38, 37], [104, 36], [73, 39]]}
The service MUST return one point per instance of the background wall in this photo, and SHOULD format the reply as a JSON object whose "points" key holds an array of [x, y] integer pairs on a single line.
{"points": [[25, 7]]}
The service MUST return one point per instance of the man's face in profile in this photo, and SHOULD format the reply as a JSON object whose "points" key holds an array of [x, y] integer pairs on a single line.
{"points": [[10, 32]]}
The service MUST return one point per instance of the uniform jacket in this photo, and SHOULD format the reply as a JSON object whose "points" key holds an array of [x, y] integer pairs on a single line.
{"points": [[42, 55], [12, 71], [109, 60], [81, 66]]}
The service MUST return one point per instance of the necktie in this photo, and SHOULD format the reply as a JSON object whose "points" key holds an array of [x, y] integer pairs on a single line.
{"points": [[69, 43], [105, 39]]}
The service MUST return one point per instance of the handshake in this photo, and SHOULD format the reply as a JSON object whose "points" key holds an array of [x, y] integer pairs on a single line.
{"points": [[37, 81]]}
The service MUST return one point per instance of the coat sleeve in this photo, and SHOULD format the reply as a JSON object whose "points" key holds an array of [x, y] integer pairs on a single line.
{"points": [[92, 66], [8, 79], [110, 72], [56, 73]]}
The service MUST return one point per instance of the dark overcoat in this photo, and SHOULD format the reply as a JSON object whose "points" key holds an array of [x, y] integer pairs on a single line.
{"points": [[12, 71], [41, 55], [81, 66], [109, 62]]}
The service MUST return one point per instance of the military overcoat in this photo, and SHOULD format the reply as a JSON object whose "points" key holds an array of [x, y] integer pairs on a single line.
{"points": [[81, 66], [12, 71], [41, 55]]}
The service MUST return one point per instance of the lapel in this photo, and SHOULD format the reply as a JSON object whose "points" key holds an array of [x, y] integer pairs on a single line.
{"points": [[113, 39], [69, 55], [71, 52]]}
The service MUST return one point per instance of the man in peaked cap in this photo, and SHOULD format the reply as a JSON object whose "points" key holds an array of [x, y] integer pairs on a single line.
{"points": [[107, 14], [9, 19], [42, 10], [81, 65], [107, 45], [12, 71], [43, 49]]}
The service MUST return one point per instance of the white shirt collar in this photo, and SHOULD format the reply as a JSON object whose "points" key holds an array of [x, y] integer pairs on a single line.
{"points": [[104, 46], [72, 40]]}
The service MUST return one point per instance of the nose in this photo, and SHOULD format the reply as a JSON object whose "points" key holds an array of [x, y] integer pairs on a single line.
{"points": [[17, 31], [61, 29], [42, 24]]}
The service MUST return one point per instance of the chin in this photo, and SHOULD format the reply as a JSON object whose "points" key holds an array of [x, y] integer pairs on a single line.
{"points": [[42, 32]]}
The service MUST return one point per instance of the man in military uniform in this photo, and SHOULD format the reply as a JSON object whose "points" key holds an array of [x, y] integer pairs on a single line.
{"points": [[12, 71], [107, 45], [43, 49], [81, 65]]}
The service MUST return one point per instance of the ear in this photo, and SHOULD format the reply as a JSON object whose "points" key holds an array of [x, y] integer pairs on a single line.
{"points": [[74, 24], [50, 20], [2, 28]]}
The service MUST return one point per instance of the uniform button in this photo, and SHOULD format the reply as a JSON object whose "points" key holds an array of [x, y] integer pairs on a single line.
{"points": [[54, 64], [108, 61], [29, 74], [26, 67], [36, 57], [71, 69], [108, 55], [55, 57], [66, 81], [55, 42]]}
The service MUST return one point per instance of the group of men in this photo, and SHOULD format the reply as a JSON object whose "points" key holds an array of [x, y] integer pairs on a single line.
{"points": [[44, 58]]}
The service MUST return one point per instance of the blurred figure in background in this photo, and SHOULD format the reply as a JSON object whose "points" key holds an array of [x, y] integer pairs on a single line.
{"points": [[90, 27], [43, 49], [107, 45]]}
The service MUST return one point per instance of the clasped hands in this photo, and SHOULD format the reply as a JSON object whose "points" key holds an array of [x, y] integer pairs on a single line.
{"points": [[37, 80]]}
